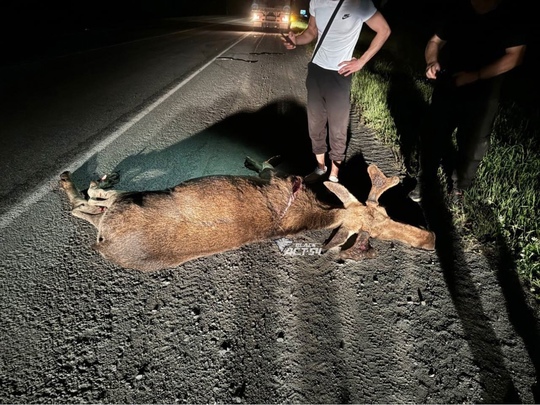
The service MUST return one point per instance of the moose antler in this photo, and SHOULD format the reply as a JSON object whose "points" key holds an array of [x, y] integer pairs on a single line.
{"points": [[379, 184], [379, 225]]}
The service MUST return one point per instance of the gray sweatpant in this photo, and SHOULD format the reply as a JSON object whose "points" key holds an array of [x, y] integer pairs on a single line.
{"points": [[328, 110]]}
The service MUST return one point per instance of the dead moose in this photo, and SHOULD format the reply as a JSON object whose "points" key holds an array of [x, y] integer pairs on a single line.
{"points": [[152, 230]]}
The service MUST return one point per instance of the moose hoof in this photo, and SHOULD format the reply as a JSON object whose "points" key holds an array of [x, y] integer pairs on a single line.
{"points": [[273, 161], [251, 164], [108, 180], [65, 180], [65, 176]]}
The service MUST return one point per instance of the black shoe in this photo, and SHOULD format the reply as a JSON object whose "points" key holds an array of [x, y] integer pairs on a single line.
{"points": [[415, 193]]}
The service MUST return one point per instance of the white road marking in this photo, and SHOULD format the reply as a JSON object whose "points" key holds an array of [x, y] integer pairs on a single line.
{"points": [[7, 218]]}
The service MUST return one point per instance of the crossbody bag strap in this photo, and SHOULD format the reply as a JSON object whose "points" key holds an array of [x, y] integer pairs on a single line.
{"points": [[326, 29]]}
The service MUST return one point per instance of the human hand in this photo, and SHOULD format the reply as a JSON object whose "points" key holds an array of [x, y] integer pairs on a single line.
{"points": [[289, 40], [348, 67], [432, 69]]}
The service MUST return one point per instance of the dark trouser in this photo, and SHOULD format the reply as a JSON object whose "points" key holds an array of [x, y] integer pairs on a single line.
{"points": [[328, 110], [470, 111]]}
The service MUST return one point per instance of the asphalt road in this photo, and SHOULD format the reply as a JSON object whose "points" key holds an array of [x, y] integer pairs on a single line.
{"points": [[247, 326]]}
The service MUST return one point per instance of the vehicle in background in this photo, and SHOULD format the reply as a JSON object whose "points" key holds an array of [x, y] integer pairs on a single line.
{"points": [[299, 18], [271, 14]]}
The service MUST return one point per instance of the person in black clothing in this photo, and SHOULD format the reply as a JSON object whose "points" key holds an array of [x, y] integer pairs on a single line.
{"points": [[467, 57]]}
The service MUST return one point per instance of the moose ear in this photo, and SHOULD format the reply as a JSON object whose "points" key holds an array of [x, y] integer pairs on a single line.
{"points": [[341, 192]]}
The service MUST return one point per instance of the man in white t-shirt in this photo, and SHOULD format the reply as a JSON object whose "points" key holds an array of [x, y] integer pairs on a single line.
{"points": [[330, 72]]}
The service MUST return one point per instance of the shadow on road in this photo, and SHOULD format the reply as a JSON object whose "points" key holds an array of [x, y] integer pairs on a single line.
{"points": [[482, 339], [521, 315], [278, 128], [483, 342]]}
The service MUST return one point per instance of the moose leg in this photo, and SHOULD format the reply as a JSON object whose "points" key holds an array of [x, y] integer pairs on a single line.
{"points": [[379, 184], [79, 205]]}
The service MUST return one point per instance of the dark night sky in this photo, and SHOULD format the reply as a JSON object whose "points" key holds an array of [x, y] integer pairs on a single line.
{"points": [[42, 13], [47, 13]]}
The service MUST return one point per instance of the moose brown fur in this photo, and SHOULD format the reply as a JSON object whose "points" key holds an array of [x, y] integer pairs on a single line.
{"points": [[153, 230]]}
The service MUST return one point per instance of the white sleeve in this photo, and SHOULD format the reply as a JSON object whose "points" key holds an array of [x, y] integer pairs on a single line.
{"points": [[367, 9]]}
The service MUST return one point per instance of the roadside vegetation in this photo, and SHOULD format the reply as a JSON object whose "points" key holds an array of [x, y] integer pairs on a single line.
{"points": [[501, 210]]}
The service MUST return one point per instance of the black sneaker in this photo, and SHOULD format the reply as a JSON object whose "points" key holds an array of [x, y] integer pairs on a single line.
{"points": [[415, 193]]}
